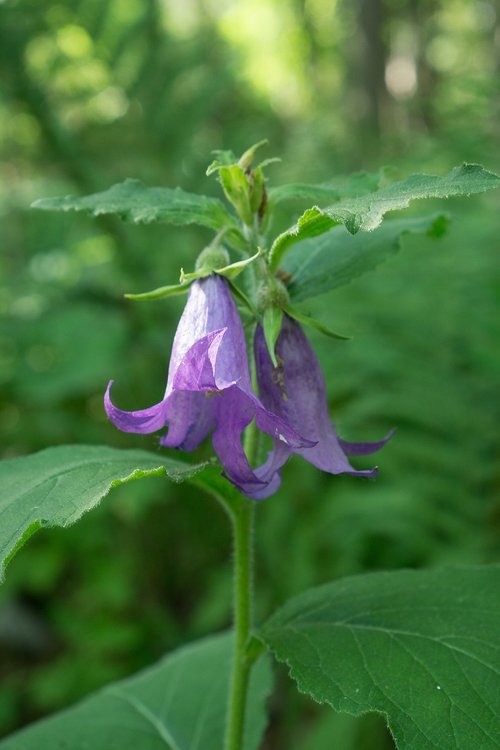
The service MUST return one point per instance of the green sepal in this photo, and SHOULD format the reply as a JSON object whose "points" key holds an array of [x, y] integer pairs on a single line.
{"points": [[307, 321], [271, 323], [163, 291], [231, 271], [234, 269], [242, 297]]}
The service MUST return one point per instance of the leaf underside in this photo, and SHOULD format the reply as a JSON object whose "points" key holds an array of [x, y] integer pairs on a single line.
{"points": [[56, 486], [133, 201], [353, 185], [420, 647], [178, 704]]}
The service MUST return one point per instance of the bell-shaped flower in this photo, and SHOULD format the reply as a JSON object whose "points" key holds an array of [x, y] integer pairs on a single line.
{"points": [[209, 389], [295, 391]]}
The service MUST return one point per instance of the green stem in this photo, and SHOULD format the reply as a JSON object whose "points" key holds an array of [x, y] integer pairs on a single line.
{"points": [[243, 581], [242, 517]]}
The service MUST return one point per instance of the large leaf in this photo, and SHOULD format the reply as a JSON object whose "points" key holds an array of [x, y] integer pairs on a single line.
{"points": [[56, 486], [359, 183], [133, 201], [324, 263], [421, 647], [367, 211], [178, 704]]}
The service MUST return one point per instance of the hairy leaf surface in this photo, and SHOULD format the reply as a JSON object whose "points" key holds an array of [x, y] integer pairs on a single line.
{"points": [[337, 257], [133, 201], [421, 647], [56, 486], [365, 213], [178, 704], [333, 190]]}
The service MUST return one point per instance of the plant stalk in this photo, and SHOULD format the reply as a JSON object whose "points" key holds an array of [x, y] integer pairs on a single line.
{"points": [[243, 582]]}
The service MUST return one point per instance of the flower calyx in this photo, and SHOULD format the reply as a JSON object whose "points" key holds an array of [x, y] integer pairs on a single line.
{"points": [[272, 300]]}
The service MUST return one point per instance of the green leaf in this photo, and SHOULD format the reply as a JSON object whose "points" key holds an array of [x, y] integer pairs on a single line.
{"points": [[178, 704], [365, 213], [56, 486], [421, 647], [133, 201], [359, 183], [316, 266]]}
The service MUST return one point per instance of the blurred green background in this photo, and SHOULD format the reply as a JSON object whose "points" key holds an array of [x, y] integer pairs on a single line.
{"points": [[94, 91]]}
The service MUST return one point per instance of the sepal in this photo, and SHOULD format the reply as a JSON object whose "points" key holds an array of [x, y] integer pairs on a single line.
{"points": [[230, 271], [271, 324], [313, 323], [163, 291]]}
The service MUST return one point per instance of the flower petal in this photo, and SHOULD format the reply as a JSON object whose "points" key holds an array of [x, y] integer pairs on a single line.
{"points": [[234, 412], [196, 370], [211, 309], [365, 449], [190, 417], [143, 421], [295, 391]]}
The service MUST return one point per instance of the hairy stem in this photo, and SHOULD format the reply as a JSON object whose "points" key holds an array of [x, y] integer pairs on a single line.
{"points": [[242, 518], [243, 581]]}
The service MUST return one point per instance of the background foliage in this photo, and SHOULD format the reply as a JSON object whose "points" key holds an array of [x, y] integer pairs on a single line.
{"points": [[96, 91]]}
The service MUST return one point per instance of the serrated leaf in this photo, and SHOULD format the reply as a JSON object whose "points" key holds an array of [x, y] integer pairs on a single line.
{"points": [[359, 183], [421, 647], [365, 213], [178, 704], [133, 201], [56, 486], [316, 266]]}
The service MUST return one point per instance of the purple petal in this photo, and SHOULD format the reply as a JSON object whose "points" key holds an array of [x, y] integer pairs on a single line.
{"points": [[211, 309], [143, 421], [234, 412], [365, 449], [295, 391], [196, 370], [190, 417]]}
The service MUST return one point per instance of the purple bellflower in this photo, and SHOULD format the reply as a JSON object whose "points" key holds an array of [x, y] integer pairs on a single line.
{"points": [[209, 389], [295, 391]]}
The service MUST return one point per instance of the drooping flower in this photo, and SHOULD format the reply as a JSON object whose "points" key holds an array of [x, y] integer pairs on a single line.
{"points": [[209, 388], [295, 391]]}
